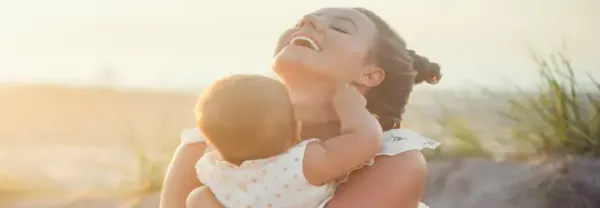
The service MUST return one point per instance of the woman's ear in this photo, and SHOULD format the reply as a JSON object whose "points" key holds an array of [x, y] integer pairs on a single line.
{"points": [[371, 77]]}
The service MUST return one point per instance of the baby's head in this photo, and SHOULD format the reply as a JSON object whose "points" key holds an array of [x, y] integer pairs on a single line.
{"points": [[247, 117]]}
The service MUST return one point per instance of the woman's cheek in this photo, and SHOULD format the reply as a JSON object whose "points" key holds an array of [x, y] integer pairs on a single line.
{"points": [[350, 50]]}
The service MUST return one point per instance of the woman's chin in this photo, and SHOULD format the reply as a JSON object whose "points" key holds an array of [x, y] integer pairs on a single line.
{"points": [[299, 77], [296, 69], [309, 93], [294, 58]]}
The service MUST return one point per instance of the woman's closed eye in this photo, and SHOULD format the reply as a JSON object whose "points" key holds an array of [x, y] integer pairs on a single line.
{"points": [[338, 29]]}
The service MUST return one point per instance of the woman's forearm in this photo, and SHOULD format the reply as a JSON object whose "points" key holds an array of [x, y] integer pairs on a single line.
{"points": [[180, 178], [392, 182]]}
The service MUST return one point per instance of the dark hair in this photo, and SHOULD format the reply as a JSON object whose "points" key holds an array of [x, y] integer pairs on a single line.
{"points": [[403, 68]]}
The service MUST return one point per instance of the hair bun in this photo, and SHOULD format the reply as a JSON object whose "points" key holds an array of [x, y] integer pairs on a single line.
{"points": [[426, 71]]}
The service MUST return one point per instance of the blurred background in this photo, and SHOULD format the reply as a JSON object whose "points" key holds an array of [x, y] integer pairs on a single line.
{"points": [[94, 94]]}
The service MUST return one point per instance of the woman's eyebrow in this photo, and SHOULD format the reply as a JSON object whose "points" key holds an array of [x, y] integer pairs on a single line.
{"points": [[348, 19], [339, 18]]}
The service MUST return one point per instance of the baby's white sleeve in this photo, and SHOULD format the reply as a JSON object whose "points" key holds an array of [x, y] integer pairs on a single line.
{"points": [[190, 136]]}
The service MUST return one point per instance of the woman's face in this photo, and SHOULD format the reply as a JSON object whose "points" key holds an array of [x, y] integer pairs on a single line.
{"points": [[330, 44]]}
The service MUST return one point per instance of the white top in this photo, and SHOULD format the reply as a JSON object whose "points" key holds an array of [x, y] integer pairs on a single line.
{"points": [[278, 181]]}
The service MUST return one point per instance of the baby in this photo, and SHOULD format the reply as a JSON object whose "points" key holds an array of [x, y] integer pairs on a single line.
{"points": [[260, 159]]}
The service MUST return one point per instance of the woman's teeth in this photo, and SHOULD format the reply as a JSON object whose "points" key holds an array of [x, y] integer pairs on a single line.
{"points": [[305, 41]]}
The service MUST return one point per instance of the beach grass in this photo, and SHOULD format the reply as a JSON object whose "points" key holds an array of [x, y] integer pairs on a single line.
{"points": [[563, 117]]}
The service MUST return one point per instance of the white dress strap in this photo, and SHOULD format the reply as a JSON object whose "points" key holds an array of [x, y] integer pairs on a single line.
{"points": [[397, 141]]}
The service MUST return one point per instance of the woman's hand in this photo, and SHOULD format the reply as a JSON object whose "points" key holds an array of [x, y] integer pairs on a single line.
{"points": [[392, 182]]}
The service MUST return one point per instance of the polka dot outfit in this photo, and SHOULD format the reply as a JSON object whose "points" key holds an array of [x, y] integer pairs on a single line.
{"points": [[278, 181], [272, 182]]}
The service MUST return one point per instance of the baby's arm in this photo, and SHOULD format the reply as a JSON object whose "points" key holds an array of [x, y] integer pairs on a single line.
{"points": [[360, 140], [202, 197]]}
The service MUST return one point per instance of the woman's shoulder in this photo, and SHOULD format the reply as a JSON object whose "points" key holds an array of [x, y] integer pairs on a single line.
{"points": [[397, 141], [189, 136]]}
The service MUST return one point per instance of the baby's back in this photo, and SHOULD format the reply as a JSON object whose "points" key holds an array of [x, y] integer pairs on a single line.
{"points": [[272, 182]]}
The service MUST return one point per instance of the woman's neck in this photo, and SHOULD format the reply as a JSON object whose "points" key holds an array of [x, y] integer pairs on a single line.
{"points": [[312, 102], [311, 97], [322, 131], [317, 116], [310, 114]]}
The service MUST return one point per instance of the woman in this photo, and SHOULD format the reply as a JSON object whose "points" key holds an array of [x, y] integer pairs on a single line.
{"points": [[326, 50]]}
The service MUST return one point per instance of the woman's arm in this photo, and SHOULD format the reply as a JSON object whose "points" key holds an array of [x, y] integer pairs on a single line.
{"points": [[180, 178], [392, 182]]}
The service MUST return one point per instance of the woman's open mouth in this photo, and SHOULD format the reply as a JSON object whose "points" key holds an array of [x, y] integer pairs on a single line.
{"points": [[305, 42]]}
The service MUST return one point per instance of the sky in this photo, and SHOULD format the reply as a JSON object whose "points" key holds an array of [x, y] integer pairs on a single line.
{"points": [[186, 44]]}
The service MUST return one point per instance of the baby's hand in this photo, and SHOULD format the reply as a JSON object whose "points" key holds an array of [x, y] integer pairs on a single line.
{"points": [[349, 96]]}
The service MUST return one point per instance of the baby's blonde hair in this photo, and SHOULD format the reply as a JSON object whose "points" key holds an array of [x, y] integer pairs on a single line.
{"points": [[247, 117]]}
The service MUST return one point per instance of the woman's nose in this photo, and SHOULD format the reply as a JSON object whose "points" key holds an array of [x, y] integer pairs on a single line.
{"points": [[312, 21]]}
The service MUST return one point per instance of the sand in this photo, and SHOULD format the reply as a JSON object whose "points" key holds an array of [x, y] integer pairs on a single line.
{"points": [[78, 147]]}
